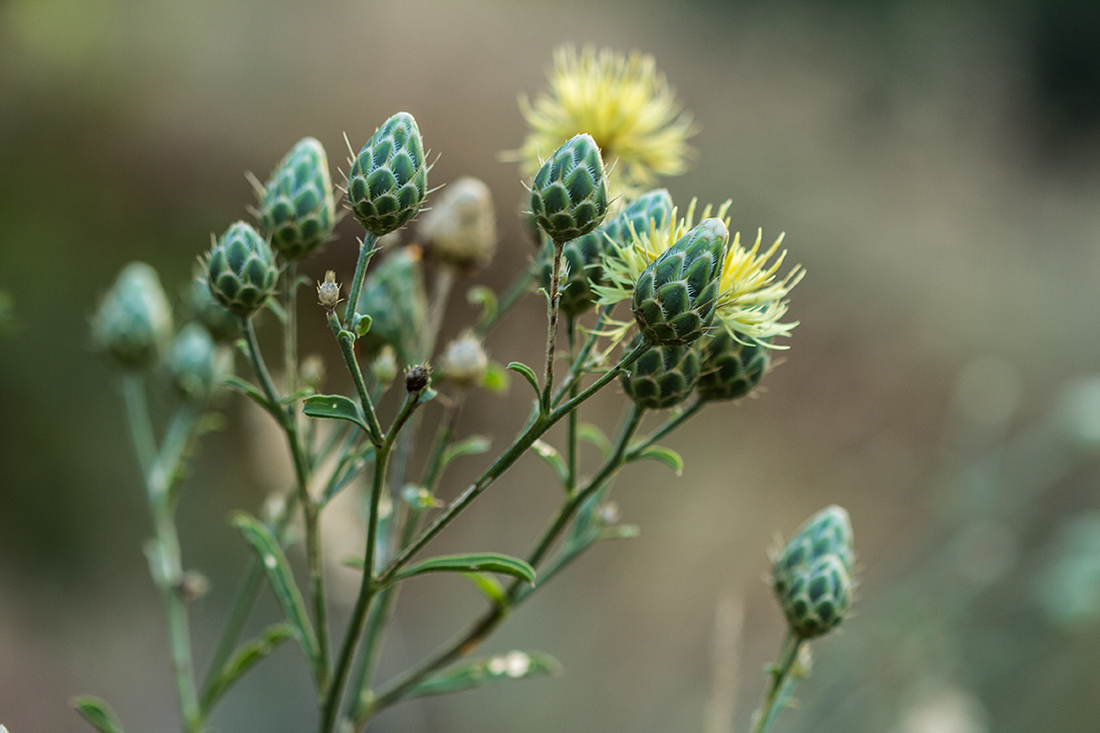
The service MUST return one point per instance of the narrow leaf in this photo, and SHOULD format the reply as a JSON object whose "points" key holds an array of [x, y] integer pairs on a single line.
{"points": [[249, 390], [244, 659], [487, 299], [666, 456], [488, 562], [528, 374], [278, 572], [592, 434], [553, 458], [496, 378], [98, 713], [514, 665], [472, 446], [336, 407], [490, 586]]}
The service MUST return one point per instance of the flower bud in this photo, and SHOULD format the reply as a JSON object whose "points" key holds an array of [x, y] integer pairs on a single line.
{"points": [[730, 369], [662, 377], [388, 180], [461, 227], [196, 364], [812, 575], [240, 270], [650, 210], [393, 296], [134, 321], [418, 377], [297, 211], [384, 367], [464, 361], [328, 292], [675, 298], [569, 195], [312, 372], [222, 325]]}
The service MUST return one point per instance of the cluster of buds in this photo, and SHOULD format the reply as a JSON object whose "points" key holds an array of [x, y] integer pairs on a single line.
{"points": [[812, 574]]}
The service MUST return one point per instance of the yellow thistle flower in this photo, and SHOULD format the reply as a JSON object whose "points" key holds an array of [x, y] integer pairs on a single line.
{"points": [[750, 300], [623, 103]]}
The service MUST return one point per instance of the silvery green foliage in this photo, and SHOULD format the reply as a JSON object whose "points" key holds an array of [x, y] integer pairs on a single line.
{"points": [[240, 270], [662, 377], [222, 325], [813, 574], [676, 295], [730, 368], [195, 363], [134, 320], [582, 255], [393, 296], [569, 195], [388, 180], [297, 211]]}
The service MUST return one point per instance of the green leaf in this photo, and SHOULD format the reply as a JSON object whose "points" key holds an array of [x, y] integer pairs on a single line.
{"points": [[246, 657], [472, 446], [487, 299], [278, 572], [666, 456], [487, 562], [592, 434], [528, 374], [553, 458], [336, 407], [496, 378], [514, 665], [362, 324], [98, 713], [621, 532], [249, 390], [490, 586]]}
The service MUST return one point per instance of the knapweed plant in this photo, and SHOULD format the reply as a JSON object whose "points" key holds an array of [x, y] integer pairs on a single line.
{"points": [[671, 312]]}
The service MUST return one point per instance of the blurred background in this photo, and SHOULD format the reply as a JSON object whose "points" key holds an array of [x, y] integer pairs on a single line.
{"points": [[936, 169]]}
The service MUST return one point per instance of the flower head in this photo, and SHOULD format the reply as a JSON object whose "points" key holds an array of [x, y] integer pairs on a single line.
{"points": [[623, 103]]}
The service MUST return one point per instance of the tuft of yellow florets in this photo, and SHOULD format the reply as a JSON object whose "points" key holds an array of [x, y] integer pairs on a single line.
{"points": [[623, 102]]}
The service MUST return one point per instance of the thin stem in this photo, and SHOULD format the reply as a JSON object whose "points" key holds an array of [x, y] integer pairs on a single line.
{"points": [[571, 424], [366, 251], [507, 300], [141, 427], [552, 329], [290, 330], [369, 585], [673, 423], [780, 688], [576, 369], [347, 348]]}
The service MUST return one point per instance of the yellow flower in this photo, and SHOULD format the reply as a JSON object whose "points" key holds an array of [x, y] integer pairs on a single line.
{"points": [[751, 301], [623, 103]]}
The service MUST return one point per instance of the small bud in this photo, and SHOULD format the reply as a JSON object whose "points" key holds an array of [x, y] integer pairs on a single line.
{"points": [[312, 372], [388, 180], [730, 368], [464, 361], [417, 377], [192, 586], [662, 377], [676, 295], [240, 270], [196, 364], [222, 325], [297, 211], [812, 575], [461, 226], [384, 367], [134, 321], [328, 292], [394, 297], [569, 195]]}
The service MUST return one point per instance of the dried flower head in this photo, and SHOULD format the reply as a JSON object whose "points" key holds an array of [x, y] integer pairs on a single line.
{"points": [[328, 292], [623, 103]]}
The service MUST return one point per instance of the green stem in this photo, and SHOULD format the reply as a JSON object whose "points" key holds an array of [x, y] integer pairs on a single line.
{"points": [[577, 368], [552, 329], [673, 423], [781, 686], [571, 424], [347, 348], [366, 251], [369, 584], [507, 300], [290, 330], [141, 427]]}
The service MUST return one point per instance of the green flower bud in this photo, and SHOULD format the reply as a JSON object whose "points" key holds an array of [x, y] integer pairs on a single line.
{"points": [[240, 270], [384, 366], [569, 195], [676, 295], [201, 306], [297, 211], [134, 321], [388, 180], [812, 575], [730, 369], [581, 256], [393, 296], [461, 226], [816, 599], [662, 377], [464, 361], [196, 364]]}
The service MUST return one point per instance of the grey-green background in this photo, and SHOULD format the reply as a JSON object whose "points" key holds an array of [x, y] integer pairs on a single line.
{"points": [[936, 169]]}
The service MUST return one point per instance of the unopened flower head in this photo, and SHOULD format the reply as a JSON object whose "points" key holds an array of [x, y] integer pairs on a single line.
{"points": [[464, 361], [297, 210], [623, 102], [461, 226], [328, 292], [388, 180], [134, 321]]}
